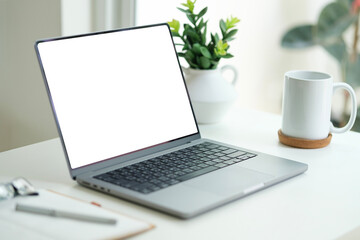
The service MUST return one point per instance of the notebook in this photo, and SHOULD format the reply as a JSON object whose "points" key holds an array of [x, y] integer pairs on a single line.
{"points": [[23, 225], [128, 129]]}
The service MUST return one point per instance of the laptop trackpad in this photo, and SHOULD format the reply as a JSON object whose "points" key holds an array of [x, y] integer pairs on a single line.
{"points": [[229, 180]]}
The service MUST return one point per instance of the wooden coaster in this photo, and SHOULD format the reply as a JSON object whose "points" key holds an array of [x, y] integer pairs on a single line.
{"points": [[303, 143]]}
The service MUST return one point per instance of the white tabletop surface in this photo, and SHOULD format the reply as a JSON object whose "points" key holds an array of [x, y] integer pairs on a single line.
{"points": [[323, 203]]}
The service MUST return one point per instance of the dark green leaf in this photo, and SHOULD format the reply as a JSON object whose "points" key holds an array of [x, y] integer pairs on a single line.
{"points": [[229, 39], [184, 10], [181, 54], [214, 65], [337, 49], [228, 55], [230, 34], [334, 19], [299, 37], [204, 62], [212, 38], [346, 3], [196, 49], [203, 36], [202, 12], [222, 27], [216, 38], [186, 47], [192, 64], [192, 34], [175, 34], [205, 52], [191, 18], [190, 59], [189, 55], [201, 25]]}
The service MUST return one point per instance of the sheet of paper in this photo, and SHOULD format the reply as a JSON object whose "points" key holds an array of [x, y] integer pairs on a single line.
{"points": [[22, 225]]}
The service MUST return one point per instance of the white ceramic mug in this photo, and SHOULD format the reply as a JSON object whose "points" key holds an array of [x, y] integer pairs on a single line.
{"points": [[307, 105]]}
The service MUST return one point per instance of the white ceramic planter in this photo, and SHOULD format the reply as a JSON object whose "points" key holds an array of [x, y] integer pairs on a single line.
{"points": [[211, 95]]}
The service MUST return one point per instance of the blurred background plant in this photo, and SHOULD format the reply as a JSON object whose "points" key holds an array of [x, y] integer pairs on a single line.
{"points": [[197, 53], [337, 31]]}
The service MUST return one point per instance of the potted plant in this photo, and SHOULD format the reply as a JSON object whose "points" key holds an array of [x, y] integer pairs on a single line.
{"points": [[210, 94], [334, 21]]}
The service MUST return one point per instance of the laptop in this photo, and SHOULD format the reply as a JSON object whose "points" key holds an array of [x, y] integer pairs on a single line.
{"points": [[128, 129]]}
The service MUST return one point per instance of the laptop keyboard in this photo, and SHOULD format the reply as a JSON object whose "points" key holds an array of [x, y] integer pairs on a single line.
{"points": [[169, 169]]}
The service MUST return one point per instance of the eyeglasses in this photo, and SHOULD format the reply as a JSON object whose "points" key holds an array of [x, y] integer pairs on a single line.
{"points": [[17, 187]]}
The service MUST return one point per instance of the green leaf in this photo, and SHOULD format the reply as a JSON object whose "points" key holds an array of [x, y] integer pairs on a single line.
{"points": [[181, 54], [337, 49], [230, 34], [222, 27], [221, 48], [186, 47], [216, 37], [189, 55], [200, 25], [204, 62], [196, 49], [175, 34], [192, 34], [190, 59], [202, 12], [192, 64], [214, 63], [229, 39], [174, 26], [334, 19], [212, 37], [184, 10], [191, 18], [230, 23], [190, 5], [299, 37], [205, 52], [203, 35], [227, 55], [346, 3]]}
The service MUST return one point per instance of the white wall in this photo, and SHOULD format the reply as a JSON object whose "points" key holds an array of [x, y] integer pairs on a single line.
{"points": [[260, 60], [75, 17], [25, 115]]}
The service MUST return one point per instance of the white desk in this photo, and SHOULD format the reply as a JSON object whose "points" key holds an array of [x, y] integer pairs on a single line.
{"points": [[323, 203]]}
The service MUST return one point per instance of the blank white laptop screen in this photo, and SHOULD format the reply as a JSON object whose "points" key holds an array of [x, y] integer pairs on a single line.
{"points": [[115, 93]]}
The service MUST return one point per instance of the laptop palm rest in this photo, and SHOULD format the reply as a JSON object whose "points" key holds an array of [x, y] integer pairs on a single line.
{"points": [[228, 181]]}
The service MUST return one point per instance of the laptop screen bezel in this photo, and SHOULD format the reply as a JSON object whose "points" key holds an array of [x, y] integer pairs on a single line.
{"points": [[74, 172]]}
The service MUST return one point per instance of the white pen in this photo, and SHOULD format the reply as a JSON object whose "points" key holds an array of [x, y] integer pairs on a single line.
{"points": [[63, 214]]}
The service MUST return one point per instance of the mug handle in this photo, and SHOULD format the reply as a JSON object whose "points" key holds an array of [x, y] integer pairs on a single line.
{"points": [[351, 121], [233, 69]]}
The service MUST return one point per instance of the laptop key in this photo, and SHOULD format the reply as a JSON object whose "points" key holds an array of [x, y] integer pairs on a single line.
{"points": [[229, 162], [173, 181], [196, 173], [236, 154], [220, 165], [229, 151]]}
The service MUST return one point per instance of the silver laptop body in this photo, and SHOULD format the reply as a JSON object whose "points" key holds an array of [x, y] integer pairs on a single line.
{"points": [[119, 99]]}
